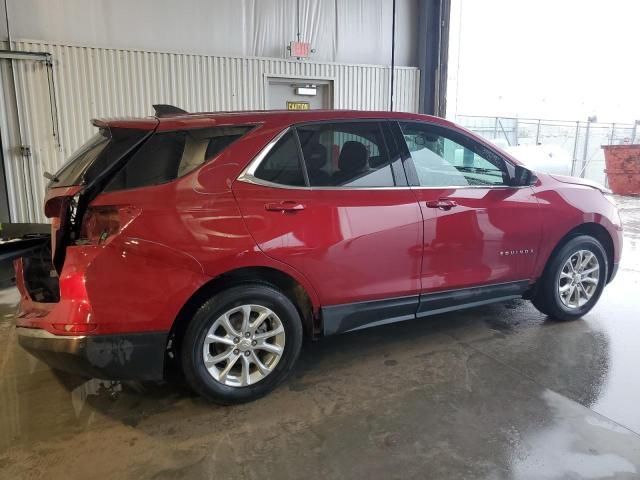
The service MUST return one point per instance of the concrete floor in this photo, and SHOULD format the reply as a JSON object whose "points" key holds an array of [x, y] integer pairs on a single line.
{"points": [[493, 392]]}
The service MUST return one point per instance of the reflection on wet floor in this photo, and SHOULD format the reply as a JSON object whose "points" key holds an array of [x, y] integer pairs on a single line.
{"points": [[93, 386], [494, 392], [552, 450]]}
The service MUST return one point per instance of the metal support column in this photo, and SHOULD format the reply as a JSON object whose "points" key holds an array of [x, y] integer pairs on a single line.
{"points": [[4, 196], [613, 134], [433, 54], [585, 153], [574, 159], [393, 54]]}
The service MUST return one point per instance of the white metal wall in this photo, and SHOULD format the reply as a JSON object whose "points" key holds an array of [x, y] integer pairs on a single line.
{"points": [[345, 31], [99, 82]]}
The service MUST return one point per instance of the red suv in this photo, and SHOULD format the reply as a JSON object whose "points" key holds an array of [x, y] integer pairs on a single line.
{"points": [[221, 240]]}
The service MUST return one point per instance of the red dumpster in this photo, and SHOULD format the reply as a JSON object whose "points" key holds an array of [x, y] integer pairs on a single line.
{"points": [[623, 168]]}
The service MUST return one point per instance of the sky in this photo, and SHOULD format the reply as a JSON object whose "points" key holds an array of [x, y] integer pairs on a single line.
{"points": [[551, 59]]}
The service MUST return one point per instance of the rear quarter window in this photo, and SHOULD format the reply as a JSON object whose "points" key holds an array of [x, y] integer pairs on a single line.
{"points": [[170, 155], [282, 164]]}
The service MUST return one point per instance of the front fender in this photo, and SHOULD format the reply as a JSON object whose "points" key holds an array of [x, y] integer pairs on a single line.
{"points": [[566, 207]]}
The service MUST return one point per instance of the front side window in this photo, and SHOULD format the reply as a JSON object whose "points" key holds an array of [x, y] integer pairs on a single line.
{"points": [[446, 159], [345, 154]]}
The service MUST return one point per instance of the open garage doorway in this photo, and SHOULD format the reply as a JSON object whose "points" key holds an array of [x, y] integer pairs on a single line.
{"points": [[298, 94]]}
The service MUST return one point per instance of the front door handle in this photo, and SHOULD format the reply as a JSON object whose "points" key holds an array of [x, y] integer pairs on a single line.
{"points": [[442, 204], [286, 206]]}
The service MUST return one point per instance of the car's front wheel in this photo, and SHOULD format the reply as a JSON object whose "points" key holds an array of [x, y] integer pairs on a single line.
{"points": [[241, 343], [573, 279]]}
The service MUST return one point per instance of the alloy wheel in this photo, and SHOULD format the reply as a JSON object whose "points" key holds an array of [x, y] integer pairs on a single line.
{"points": [[244, 345], [579, 278]]}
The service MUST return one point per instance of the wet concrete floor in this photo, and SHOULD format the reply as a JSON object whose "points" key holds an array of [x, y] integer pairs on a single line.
{"points": [[494, 392]]}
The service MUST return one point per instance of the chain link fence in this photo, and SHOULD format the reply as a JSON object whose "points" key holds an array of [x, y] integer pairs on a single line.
{"points": [[582, 140]]}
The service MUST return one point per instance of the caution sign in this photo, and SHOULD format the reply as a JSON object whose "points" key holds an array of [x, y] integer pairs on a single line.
{"points": [[298, 106]]}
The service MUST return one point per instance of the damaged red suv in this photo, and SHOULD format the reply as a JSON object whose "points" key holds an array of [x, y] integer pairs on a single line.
{"points": [[221, 240]]}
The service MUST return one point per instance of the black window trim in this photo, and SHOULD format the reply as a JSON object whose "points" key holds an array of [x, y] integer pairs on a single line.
{"points": [[388, 134], [412, 175], [301, 162], [248, 174]]}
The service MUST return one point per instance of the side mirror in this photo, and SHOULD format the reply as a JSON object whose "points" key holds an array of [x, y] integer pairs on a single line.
{"points": [[522, 177]]}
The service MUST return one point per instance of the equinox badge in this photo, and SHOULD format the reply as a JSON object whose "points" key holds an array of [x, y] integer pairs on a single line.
{"points": [[525, 251]]}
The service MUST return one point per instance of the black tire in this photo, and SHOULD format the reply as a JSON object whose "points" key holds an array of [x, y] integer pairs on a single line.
{"points": [[547, 297], [195, 371]]}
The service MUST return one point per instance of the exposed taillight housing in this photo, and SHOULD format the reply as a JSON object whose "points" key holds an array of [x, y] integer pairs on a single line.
{"points": [[103, 221], [54, 207]]}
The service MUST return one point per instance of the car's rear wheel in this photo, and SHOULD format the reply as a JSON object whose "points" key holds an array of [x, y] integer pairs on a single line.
{"points": [[573, 279], [241, 343]]}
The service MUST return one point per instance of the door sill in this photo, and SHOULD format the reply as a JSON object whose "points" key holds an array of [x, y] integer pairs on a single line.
{"points": [[451, 300], [358, 315]]}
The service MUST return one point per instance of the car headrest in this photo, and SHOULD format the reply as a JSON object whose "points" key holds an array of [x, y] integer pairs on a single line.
{"points": [[353, 157], [316, 156]]}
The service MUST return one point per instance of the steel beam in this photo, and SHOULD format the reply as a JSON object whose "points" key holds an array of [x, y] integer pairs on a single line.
{"points": [[433, 54], [18, 55]]}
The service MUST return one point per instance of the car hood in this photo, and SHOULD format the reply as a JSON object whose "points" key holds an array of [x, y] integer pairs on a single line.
{"points": [[579, 181]]}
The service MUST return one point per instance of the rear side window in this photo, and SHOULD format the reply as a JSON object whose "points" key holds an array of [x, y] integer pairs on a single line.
{"points": [[282, 163], [170, 155], [345, 154]]}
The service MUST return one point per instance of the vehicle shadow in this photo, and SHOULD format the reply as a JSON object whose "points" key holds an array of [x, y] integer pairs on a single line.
{"points": [[570, 357]]}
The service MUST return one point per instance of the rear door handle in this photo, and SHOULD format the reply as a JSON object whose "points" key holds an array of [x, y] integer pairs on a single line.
{"points": [[442, 204], [287, 206]]}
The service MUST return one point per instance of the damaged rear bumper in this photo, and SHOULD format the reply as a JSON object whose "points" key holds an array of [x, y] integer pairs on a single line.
{"points": [[132, 356]]}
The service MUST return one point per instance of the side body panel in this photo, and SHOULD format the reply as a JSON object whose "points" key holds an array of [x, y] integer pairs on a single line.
{"points": [[181, 235], [474, 234], [491, 236], [189, 231], [352, 245]]}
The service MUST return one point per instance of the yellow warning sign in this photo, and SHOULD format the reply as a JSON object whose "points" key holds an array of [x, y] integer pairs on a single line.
{"points": [[298, 106]]}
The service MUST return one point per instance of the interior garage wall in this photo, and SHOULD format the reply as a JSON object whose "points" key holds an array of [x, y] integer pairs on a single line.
{"points": [[347, 31], [103, 82]]}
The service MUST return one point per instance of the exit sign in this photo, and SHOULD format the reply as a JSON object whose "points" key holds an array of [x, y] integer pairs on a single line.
{"points": [[300, 49]]}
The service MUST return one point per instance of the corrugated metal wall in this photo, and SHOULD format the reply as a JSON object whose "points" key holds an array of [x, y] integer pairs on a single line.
{"points": [[101, 82]]}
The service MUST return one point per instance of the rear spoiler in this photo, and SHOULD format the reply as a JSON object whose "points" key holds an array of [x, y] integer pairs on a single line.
{"points": [[148, 123]]}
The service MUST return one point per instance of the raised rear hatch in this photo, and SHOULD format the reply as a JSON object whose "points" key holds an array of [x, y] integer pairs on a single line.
{"points": [[69, 192], [84, 175], [122, 155]]}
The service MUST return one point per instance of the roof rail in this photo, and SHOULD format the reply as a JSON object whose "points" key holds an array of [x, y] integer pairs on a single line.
{"points": [[163, 110]]}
